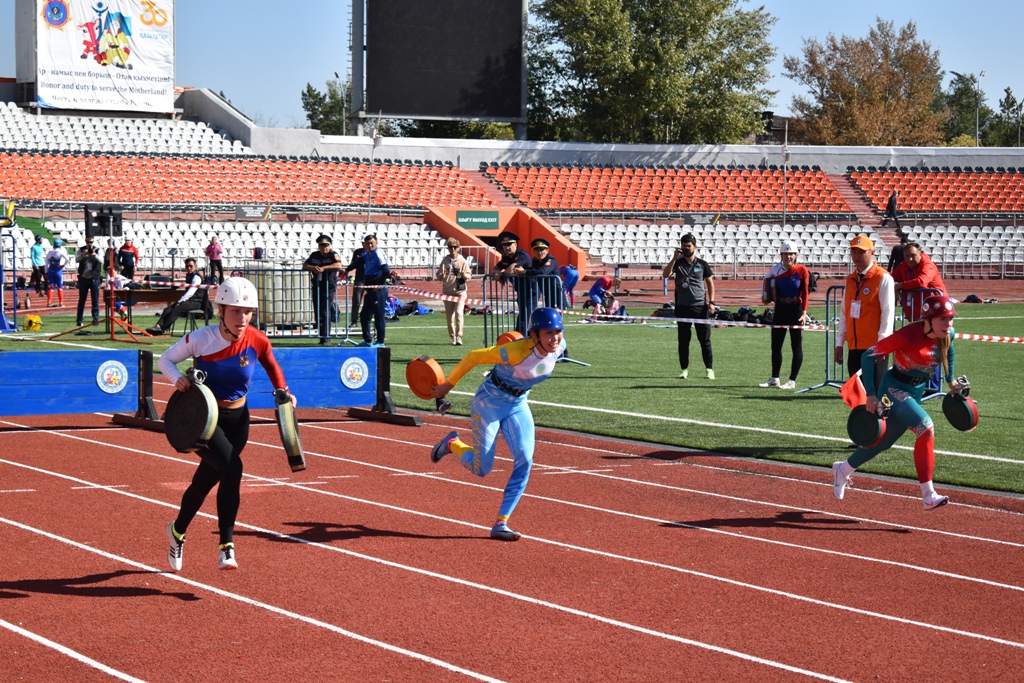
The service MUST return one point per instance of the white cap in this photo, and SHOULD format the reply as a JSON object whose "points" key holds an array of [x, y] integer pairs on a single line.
{"points": [[787, 248]]}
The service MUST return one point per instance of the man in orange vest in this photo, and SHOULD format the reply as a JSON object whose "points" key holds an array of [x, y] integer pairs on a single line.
{"points": [[868, 308]]}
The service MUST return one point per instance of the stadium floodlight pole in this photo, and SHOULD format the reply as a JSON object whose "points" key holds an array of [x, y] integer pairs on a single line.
{"points": [[1020, 114], [369, 194], [785, 164], [976, 82]]}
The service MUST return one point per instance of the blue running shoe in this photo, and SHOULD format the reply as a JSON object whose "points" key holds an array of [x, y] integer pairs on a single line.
{"points": [[441, 448]]}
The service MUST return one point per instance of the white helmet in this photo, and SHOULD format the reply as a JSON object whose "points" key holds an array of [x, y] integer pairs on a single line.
{"points": [[236, 291], [787, 248]]}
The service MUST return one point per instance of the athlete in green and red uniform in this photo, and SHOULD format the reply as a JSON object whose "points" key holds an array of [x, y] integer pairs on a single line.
{"points": [[918, 349]]}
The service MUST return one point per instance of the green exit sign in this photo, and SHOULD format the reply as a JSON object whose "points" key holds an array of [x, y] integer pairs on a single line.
{"points": [[477, 220]]}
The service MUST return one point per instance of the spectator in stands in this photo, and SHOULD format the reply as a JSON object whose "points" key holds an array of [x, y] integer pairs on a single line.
{"points": [[356, 265], [376, 273], [504, 270], [56, 259], [788, 286], [214, 256], [454, 273], [917, 271], [543, 265], [695, 298], [38, 255], [868, 309], [128, 258], [570, 276], [193, 299], [892, 210], [90, 272], [323, 265], [110, 264], [599, 292], [896, 255]]}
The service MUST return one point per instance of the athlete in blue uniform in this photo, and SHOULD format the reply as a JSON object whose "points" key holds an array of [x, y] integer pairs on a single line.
{"points": [[500, 403], [227, 354]]}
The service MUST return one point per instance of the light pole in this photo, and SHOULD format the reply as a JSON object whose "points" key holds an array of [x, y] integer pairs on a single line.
{"points": [[977, 102], [1020, 113]]}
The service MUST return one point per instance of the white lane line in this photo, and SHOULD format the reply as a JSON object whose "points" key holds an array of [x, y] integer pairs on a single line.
{"points": [[600, 553], [18, 491], [742, 428], [254, 603], [77, 656], [632, 481], [393, 648]]}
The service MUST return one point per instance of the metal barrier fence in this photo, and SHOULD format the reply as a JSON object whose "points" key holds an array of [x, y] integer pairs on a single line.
{"points": [[286, 297], [835, 376], [510, 301]]}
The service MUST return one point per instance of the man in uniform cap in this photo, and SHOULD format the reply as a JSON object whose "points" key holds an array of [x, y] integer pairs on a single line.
{"points": [[323, 266], [512, 259], [543, 264], [868, 308]]}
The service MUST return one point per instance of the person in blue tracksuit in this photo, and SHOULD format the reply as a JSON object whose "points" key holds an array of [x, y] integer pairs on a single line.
{"points": [[375, 274], [500, 403]]}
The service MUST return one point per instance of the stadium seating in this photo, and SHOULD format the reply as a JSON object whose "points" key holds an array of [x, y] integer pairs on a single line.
{"points": [[962, 191], [59, 133], [698, 190], [140, 179]]}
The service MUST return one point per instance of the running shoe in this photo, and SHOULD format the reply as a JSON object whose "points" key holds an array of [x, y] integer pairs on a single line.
{"points": [[227, 556], [442, 447], [790, 384], [839, 480], [934, 500], [501, 532], [176, 550], [773, 382], [710, 373]]}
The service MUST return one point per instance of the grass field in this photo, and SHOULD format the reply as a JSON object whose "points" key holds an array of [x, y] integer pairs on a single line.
{"points": [[631, 391]]}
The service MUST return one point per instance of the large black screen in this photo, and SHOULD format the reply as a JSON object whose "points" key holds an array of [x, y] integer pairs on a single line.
{"points": [[445, 58]]}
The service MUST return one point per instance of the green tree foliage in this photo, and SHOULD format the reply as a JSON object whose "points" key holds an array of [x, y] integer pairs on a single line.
{"points": [[1004, 128], [960, 108], [328, 112], [636, 71], [880, 90]]}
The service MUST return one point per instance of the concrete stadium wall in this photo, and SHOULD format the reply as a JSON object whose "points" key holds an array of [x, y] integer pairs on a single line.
{"points": [[203, 105]]}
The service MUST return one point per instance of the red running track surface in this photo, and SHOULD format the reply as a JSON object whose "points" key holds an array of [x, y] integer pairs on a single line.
{"points": [[637, 563]]}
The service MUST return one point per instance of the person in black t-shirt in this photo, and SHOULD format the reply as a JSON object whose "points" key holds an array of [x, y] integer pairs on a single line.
{"points": [[323, 266]]}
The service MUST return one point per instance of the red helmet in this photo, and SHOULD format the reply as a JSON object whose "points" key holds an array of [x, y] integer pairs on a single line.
{"points": [[937, 306]]}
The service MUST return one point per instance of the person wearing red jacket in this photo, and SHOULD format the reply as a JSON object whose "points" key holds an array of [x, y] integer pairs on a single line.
{"points": [[917, 271], [788, 286], [128, 258]]}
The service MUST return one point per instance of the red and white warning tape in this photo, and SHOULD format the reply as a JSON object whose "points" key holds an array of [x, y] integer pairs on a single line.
{"points": [[990, 338]]}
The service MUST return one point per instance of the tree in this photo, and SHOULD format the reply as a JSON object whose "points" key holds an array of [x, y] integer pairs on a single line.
{"points": [[635, 71], [1004, 128], [880, 90], [965, 107], [328, 112]]}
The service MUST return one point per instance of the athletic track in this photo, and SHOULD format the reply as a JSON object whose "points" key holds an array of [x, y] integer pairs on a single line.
{"points": [[638, 563]]}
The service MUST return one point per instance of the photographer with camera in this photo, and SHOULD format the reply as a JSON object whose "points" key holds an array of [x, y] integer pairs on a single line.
{"points": [[454, 273], [90, 273]]}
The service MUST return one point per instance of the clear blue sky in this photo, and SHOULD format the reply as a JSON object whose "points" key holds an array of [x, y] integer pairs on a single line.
{"points": [[262, 53]]}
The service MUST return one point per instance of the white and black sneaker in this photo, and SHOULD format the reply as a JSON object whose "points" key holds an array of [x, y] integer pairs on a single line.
{"points": [[227, 556], [840, 480], [442, 447], [934, 500], [176, 549], [773, 382]]}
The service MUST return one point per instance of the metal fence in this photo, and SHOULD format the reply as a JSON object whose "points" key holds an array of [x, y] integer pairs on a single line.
{"points": [[286, 302], [511, 300]]}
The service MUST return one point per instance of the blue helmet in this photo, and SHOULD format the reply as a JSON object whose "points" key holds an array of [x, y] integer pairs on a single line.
{"points": [[57, 242], [546, 319]]}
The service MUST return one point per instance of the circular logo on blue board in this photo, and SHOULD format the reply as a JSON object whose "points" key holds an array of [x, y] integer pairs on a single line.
{"points": [[112, 377], [354, 373], [56, 13]]}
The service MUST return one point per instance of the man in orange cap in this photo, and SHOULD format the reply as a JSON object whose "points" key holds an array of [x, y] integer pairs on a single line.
{"points": [[868, 309]]}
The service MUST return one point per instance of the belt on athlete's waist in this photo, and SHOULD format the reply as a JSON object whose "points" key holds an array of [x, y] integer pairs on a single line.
{"points": [[908, 379], [504, 387], [788, 300]]}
